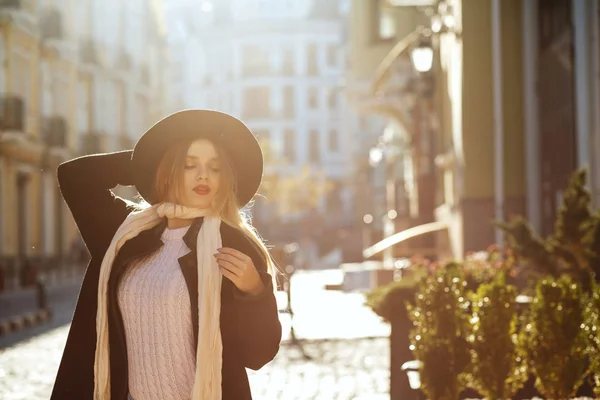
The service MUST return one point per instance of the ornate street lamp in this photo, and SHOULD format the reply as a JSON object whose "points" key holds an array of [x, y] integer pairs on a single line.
{"points": [[422, 56]]}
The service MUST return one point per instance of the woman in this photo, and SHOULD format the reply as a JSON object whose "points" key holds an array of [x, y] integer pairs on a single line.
{"points": [[178, 297]]}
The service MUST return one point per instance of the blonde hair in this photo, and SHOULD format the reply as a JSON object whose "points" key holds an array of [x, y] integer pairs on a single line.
{"points": [[169, 188]]}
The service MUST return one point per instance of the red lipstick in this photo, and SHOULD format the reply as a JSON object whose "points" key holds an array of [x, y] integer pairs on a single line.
{"points": [[202, 190]]}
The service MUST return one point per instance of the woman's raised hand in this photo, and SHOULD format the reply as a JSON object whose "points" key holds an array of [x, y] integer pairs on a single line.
{"points": [[239, 269]]}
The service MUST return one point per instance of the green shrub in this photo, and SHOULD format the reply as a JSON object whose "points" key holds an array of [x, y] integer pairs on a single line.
{"points": [[496, 370], [573, 248], [390, 299], [591, 317], [552, 342], [438, 339]]}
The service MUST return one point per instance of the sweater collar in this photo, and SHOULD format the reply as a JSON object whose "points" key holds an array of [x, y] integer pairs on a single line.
{"points": [[190, 237]]}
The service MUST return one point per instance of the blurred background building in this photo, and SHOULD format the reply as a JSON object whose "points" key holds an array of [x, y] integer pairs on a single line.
{"points": [[279, 66], [391, 128], [503, 111], [76, 77]]}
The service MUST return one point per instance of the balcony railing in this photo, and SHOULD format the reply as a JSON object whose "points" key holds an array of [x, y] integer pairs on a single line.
{"points": [[12, 113]]}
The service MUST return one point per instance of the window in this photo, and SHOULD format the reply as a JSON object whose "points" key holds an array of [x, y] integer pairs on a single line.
{"points": [[22, 82], [61, 95], [314, 155], [311, 59], [334, 140], [255, 61], [313, 97], [289, 145], [256, 102], [332, 55], [287, 62], [332, 99], [385, 25], [288, 102]]}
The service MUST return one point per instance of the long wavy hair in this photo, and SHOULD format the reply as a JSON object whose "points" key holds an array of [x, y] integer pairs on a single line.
{"points": [[169, 188]]}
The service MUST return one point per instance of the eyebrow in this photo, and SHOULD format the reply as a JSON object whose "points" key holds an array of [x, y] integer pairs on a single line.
{"points": [[195, 158]]}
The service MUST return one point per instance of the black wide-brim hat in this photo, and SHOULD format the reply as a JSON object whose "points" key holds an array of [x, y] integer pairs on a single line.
{"points": [[224, 130]]}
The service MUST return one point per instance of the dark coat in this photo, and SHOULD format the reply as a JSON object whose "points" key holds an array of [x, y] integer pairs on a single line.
{"points": [[250, 328]]}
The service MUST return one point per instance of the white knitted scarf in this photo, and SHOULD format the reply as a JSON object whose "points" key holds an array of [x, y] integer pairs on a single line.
{"points": [[207, 380]]}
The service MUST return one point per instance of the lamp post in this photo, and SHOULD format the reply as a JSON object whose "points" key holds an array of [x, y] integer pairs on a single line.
{"points": [[388, 149]]}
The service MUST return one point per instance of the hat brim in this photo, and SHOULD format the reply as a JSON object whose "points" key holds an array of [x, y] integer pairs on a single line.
{"points": [[228, 132]]}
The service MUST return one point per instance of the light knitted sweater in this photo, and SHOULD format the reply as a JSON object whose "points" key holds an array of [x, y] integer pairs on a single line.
{"points": [[155, 306]]}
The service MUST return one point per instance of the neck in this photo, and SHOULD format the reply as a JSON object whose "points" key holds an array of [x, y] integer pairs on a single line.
{"points": [[176, 223]]}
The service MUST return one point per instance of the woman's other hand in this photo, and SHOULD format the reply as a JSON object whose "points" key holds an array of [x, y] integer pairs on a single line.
{"points": [[239, 268]]}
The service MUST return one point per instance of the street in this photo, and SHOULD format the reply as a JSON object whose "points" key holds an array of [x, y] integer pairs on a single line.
{"points": [[346, 346]]}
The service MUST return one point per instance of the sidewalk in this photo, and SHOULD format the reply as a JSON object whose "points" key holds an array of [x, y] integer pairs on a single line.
{"points": [[325, 314], [346, 343], [61, 300]]}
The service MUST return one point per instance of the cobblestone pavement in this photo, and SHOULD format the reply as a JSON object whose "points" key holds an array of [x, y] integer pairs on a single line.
{"points": [[341, 369], [338, 369], [346, 344]]}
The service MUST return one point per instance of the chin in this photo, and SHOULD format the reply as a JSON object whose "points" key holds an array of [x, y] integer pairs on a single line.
{"points": [[199, 204]]}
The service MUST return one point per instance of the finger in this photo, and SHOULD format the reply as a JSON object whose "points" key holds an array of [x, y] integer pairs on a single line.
{"points": [[231, 259], [230, 267], [233, 252], [226, 273]]}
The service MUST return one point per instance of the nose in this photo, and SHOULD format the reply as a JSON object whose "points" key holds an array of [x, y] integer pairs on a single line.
{"points": [[202, 174]]}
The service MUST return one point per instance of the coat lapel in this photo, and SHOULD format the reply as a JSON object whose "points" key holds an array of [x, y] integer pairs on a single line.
{"points": [[189, 268], [188, 265]]}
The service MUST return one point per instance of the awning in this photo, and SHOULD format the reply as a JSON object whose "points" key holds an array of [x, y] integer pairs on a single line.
{"points": [[404, 235]]}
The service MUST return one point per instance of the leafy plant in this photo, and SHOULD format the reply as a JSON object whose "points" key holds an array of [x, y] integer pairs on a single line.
{"points": [[591, 327], [573, 222], [552, 342], [528, 247], [574, 247], [496, 369], [441, 324], [392, 298]]}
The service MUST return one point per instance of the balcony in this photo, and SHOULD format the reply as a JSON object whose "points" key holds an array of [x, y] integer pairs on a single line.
{"points": [[12, 4], [18, 13], [54, 131], [12, 113], [88, 53], [51, 25]]}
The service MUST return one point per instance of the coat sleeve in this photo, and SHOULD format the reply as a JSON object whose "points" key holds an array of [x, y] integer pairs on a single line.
{"points": [[259, 329], [85, 184]]}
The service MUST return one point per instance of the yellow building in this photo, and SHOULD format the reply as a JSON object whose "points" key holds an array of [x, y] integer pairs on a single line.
{"points": [[76, 77], [512, 109]]}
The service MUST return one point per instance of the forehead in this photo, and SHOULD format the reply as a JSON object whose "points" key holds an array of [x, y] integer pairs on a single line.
{"points": [[203, 149]]}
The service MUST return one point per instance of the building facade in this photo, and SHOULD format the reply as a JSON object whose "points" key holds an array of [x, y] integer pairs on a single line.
{"points": [[515, 84], [76, 77], [277, 65]]}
